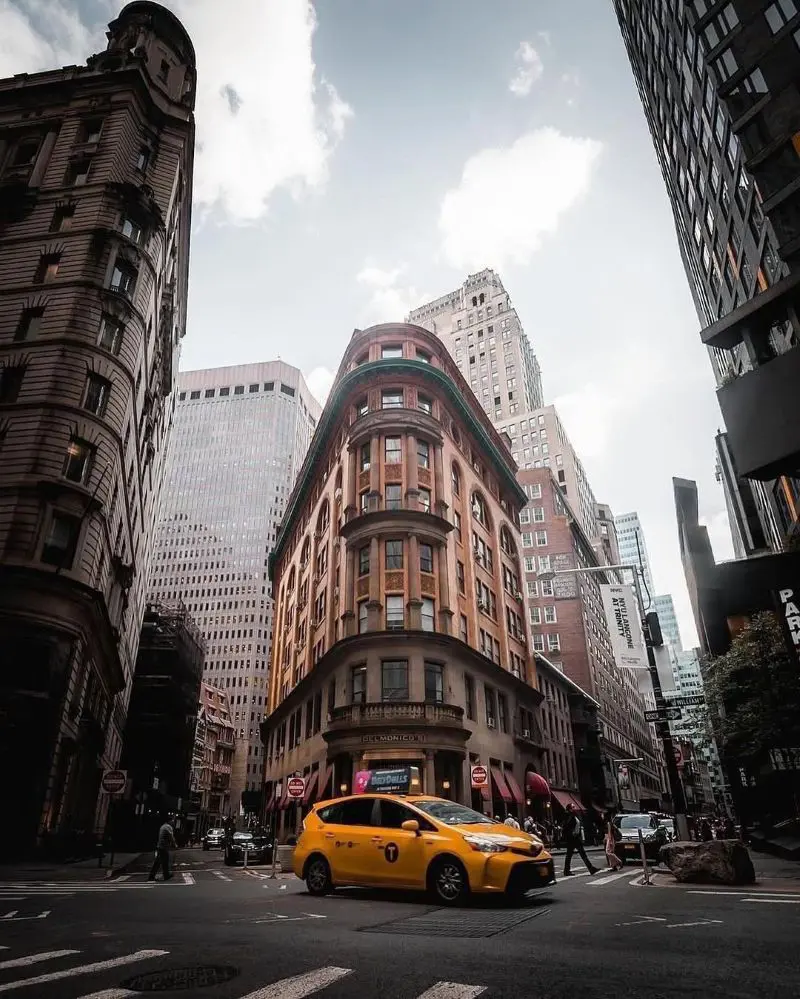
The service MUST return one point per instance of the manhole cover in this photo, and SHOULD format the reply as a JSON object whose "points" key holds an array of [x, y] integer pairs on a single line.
{"points": [[456, 923], [178, 979]]}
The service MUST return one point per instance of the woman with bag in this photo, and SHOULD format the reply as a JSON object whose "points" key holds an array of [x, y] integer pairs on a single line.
{"points": [[613, 836]]}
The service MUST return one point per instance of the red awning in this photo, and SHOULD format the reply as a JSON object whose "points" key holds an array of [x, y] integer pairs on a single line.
{"points": [[311, 784], [284, 802], [514, 788], [270, 802], [486, 794], [324, 782], [500, 785], [536, 785], [565, 799]]}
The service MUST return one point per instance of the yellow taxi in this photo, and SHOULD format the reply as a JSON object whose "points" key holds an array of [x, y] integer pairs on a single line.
{"points": [[418, 842]]}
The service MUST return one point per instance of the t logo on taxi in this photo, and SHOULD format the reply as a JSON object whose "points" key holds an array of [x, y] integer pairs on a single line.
{"points": [[391, 852]]}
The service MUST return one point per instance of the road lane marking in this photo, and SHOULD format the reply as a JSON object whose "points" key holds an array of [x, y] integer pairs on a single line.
{"points": [[48, 955], [607, 879], [644, 919], [221, 876], [765, 894], [699, 922], [775, 901], [188, 879], [85, 969], [122, 877], [452, 990], [12, 917], [300, 985], [111, 994]]}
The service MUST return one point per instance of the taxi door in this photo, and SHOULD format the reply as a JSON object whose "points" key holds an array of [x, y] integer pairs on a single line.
{"points": [[400, 857], [347, 841]]}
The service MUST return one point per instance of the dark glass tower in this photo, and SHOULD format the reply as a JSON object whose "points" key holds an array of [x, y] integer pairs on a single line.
{"points": [[719, 82]]}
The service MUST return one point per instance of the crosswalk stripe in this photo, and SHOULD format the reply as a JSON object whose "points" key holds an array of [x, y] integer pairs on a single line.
{"points": [[110, 994], [122, 877], [49, 955], [300, 985], [188, 879], [85, 969], [221, 876], [453, 990], [608, 878]]}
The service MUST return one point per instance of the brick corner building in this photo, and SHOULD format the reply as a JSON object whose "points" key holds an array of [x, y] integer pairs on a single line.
{"points": [[399, 635], [95, 202]]}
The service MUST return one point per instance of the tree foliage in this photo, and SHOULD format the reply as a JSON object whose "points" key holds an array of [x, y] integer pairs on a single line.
{"points": [[755, 688]]}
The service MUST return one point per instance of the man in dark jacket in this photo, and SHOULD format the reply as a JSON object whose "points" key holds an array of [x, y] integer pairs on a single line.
{"points": [[166, 842], [572, 837]]}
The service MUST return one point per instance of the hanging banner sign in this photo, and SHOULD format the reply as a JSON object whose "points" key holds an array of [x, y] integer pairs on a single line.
{"points": [[788, 601], [624, 626]]}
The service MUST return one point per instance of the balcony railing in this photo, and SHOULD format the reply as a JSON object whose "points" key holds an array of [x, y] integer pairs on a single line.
{"points": [[396, 713]]}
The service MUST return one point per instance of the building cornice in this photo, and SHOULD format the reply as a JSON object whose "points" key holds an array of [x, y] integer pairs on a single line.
{"points": [[365, 374]]}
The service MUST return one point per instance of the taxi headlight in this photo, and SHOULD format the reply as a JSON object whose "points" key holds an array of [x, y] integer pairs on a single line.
{"points": [[484, 845]]}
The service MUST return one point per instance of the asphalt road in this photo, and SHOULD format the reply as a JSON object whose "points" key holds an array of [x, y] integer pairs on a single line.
{"points": [[228, 934]]}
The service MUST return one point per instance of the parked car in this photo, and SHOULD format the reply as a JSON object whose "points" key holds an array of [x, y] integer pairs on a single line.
{"points": [[417, 842], [259, 849], [213, 839], [653, 835], [669, 825]]}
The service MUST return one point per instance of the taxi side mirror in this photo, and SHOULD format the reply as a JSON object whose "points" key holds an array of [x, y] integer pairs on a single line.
{"points": [[411, 825]]}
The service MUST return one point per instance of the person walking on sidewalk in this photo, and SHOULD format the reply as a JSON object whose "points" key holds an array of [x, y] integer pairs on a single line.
{"points": [[613, 836], [166, 842], [572, 831]]}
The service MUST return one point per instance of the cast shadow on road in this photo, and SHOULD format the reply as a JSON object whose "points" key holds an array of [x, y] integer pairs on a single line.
{"points": [[421, 900]]}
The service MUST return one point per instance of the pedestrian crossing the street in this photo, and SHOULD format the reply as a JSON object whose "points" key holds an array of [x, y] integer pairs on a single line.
{"points": [[27, 971]]}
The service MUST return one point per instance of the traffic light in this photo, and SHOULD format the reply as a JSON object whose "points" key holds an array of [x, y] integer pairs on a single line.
{"points": [[654, 628]]}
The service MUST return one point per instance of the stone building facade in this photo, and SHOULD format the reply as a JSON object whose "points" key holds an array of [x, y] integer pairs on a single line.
{"points": [[399, 632], [95, 204]]}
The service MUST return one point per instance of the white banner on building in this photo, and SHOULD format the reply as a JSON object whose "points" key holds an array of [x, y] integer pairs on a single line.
{"points": [[624, 626]]}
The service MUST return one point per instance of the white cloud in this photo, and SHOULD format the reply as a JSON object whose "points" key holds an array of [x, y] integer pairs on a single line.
{"points": [[509, 199], [528, 68], [319, 382], [42, 34], [288, 121], [389, 300], [265, 118]]}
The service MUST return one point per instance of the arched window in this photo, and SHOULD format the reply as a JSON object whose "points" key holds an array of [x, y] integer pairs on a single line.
{"points": [[305, 554], [479, 511], [455, 479], [507, 542], [290, 584], [481, 298], [324, 518]]}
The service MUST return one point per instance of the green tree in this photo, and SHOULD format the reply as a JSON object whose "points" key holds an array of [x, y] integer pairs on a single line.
{"points": [[755, 689]]}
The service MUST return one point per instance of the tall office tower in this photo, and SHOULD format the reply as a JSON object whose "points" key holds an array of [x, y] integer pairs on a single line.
{"points": [[95, 205], [668, 621], [633, 551], [240, 436], [719, 85], [568, 625], [481, 329], [399, 629]]}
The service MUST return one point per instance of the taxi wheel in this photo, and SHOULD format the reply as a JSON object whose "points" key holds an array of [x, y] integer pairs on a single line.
{"points": [[318, 876], [447, 880]]}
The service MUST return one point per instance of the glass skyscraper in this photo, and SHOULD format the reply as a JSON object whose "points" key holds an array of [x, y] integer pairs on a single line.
{"points": [[239, 439], [718, 82]]}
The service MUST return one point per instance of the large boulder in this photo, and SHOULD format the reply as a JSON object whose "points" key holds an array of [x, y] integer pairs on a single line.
{"points": [[720, 861]]}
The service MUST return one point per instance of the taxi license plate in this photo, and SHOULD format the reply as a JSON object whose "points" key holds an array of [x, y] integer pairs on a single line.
{"points": [[633, 847]]}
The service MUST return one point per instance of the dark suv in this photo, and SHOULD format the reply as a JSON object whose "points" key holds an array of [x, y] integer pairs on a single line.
{"points": [[259, 849]]}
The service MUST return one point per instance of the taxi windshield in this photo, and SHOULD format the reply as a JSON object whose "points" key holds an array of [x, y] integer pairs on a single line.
{"points": [[453, 814]]}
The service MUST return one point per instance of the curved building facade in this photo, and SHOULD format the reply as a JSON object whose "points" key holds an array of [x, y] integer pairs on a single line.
{"points": [[399, 635], [95, 205]]}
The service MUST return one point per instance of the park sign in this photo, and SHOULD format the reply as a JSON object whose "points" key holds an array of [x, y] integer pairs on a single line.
{"points": [[624, 626], [788, 601]]}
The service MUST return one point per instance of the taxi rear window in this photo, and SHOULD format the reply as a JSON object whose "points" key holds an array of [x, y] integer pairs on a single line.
{"points": [[355, 812]]}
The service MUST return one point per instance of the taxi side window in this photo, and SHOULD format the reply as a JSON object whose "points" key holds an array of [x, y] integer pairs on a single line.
{"points": [[356, 812], [393, 815]]}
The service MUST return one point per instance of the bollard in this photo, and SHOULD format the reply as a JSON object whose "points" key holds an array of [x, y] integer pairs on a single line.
{"points": [[645, 868], [245, 856]]}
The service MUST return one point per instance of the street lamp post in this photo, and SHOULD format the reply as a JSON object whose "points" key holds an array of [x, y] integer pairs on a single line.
{"points": [[662, 725]]}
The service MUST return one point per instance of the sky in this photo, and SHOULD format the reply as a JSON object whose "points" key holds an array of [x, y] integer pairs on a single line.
{"points": [[356, 158]]}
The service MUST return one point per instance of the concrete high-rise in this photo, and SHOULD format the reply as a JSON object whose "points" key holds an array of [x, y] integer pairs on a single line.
{"points": [[240, 436], [668, 620], [633, 551], [481, 329], [718, 82], [95, 200]]}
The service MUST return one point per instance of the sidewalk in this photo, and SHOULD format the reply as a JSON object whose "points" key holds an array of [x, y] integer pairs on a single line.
{"points": [[79, 870]]}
